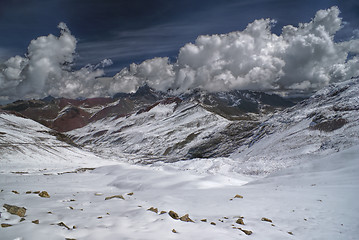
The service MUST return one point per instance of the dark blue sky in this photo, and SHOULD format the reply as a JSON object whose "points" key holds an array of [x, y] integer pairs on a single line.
{"points": [[135, 30]]}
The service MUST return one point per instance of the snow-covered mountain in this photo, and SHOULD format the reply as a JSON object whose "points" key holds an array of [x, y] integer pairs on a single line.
{"points": [[263, 171], [327, 122]]}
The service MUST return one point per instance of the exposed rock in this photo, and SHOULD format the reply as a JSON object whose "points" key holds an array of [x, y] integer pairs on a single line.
{"points": [[186, 218], [62, 224], [238, 196], [204, 220], [22, 219], [240, 221], [130, 194], [36, 192], [173, 214], [36, 221], [5, 225], [174, 231], [19, 211], [266, 219], [115, 196], [153, 209], [44, 194], [290, 233], [162, 212], [213, 223], [16, 192], [28, 192], [98, 194], [247, 232]]}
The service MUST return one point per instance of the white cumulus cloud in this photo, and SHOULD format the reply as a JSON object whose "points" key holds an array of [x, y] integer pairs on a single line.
{"points": [[46, 70], [302, 58]]}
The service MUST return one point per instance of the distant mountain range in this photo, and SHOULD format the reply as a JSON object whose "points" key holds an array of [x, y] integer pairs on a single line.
{"points": [[149, 126]]}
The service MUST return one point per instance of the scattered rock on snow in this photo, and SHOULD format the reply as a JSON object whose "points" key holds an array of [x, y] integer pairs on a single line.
{"points": [[36, 221], [20, 211], [130, 194], [174, 231], [238, 196], [162, 212], [62, 224], [153, 209], [5, 225], [173, 214], [240, 221], [115, 196], [290, 233], [44, 194], [186, 218], [204, 220], [16, 192], [213, 223], [247, 232], [266, 219]]}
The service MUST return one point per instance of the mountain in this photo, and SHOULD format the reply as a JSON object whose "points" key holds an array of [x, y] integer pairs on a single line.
{"points": [[295, 175], [156, 125], [324, 124]]}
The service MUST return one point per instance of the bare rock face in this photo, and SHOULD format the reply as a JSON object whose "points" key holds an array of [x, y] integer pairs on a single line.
{"points": [[19, 211]]}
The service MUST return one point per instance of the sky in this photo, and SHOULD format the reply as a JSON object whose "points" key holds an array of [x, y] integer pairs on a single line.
{"points": [[129, 32]]}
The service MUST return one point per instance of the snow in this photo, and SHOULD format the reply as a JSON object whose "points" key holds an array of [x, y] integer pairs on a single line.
{"points": [[152, 134], [303, 179], [316, 199]]}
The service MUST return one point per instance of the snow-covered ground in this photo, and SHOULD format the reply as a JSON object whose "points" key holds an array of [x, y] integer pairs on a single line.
{"points": [[316, 199]]}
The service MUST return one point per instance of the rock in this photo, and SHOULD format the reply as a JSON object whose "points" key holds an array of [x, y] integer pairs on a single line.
{"points": [[290, 233], [62, 224], [22, 219], [174, 231], [115, 196], [238, 196], [16, 192], [173, 214], [247, 232], [162, 212], [186, 218], [20, 211], [213, 223], [266, 219], [98, 194], [204, 220], [36, 221], [153, 209], [5, 225], [240, 221], [130, 194], [28, 192], [44, 194], [36, 192]]}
